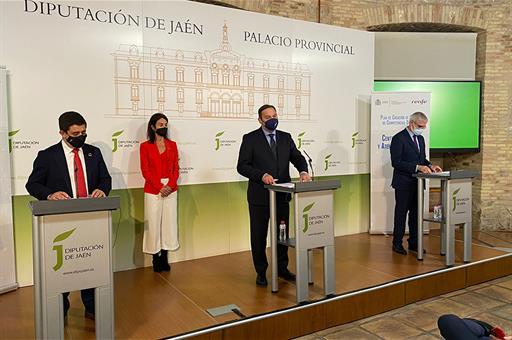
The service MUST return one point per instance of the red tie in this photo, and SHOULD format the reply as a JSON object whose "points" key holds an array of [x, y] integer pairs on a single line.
{"points": [[81, 190]]}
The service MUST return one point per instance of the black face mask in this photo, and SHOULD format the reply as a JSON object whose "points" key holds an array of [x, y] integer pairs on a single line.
{"points": [[77, 142], [161, 132]]}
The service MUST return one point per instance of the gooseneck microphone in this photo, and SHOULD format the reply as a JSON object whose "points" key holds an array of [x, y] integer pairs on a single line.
{"points": [[310, 161]]}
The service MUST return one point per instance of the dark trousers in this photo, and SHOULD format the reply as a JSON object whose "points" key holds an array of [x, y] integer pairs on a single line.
{"points": [[87, 299], [406, 202], [260, 216]]}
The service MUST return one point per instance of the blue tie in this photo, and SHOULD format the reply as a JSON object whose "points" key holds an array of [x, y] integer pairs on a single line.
{"points": [[416, 142], [273, 144]]}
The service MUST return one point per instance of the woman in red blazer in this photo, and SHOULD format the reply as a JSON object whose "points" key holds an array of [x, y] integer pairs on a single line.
{"points": [[159, 166]]}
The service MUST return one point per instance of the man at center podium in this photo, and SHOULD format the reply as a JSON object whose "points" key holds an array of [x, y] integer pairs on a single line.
{"points": [[264, 158], [70, 169]]}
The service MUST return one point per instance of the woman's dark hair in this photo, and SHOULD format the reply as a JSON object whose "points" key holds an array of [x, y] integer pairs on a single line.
{"points": [[70, 118], [152, 123]]}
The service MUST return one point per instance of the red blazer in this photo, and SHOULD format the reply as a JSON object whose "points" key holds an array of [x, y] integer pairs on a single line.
{"points": [[151, 168]]}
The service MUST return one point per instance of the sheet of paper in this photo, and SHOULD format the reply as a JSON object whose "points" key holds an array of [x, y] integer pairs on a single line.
{"points": [[286, 185]]}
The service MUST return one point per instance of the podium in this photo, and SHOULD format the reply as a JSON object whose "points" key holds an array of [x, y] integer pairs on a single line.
{"points": [[314, 228], [72, 251], [456, 202]]}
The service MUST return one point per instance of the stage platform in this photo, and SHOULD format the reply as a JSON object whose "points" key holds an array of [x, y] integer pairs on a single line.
{"points": [[370, 279]]}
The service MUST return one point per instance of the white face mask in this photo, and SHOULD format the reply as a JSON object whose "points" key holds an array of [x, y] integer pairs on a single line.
{"points": [[418, 131]]}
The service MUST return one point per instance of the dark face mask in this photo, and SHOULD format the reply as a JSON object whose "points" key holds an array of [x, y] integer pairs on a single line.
{"points": [[76, 142], [271, 124], [161, 132]]}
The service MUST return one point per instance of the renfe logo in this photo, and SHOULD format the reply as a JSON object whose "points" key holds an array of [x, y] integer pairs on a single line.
{"points": [[454, 198], [305, 216], [58, 248], [419, 101]]}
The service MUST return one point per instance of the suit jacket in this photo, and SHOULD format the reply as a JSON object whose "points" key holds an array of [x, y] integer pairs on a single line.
{"points": [[256, 158], [151, 166], [404, 158], [50, 172]]}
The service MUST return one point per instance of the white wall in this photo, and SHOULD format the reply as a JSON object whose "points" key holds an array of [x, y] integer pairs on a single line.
{"points": [[425, 56]]}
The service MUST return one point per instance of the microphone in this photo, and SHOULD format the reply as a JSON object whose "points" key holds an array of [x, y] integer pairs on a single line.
{"points": [[310, 161]]}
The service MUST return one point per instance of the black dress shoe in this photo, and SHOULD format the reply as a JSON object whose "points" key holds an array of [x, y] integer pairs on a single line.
{"points": [[287, 275], [415, 250], [261, 280], [157, 263], [399, 250]]}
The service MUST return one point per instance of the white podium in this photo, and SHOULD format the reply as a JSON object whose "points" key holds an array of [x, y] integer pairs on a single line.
{"points": [[314, 228], [72, 251], [456, 209]]}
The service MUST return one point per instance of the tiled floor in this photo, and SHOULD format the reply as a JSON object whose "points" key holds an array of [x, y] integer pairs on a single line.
{"points": [[490, 302]]}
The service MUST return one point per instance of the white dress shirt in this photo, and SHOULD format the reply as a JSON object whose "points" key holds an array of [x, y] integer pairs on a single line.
{"points": [[70, 160]]}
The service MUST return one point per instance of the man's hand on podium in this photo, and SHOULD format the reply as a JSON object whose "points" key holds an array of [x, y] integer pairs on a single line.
{"points": [[424, 169], [59, 195], [304, 177], [97, 193], [268, 179], [436, 168]]}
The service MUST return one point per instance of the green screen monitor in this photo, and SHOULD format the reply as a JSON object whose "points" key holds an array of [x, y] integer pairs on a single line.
{"points": [[454, 112]]}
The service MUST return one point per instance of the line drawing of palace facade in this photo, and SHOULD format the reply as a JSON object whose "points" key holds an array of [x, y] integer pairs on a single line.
{"points": [[207, 84]]}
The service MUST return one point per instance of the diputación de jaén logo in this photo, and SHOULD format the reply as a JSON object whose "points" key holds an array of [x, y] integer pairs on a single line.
{"points": [[326, 161], [305, 216], [454, 198], [115, 137], [10, 134], [354, 135], [217, 140], [299, 138], [58, 248]]}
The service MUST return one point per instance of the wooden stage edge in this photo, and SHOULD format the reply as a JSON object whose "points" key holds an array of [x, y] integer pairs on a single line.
{"points": [[348, 307]]}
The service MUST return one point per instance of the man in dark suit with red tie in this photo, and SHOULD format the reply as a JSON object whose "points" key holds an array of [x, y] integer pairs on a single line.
{"points": [[407, 158], [70, 169], [264, 158]]}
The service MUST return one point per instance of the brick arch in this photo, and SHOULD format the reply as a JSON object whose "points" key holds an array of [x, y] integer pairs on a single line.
{"points": [[468, 17]]}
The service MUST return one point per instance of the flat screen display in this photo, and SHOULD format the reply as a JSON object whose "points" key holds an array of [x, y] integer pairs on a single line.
{"points": [[454, 113]]}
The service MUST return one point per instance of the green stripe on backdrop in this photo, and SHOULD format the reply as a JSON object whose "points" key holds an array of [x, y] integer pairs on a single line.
{"points": [[213, 220]]}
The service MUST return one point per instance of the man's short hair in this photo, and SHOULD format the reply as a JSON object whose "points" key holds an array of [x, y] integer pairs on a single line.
{"points": [[263, 108], [418, 116], [70, 118]]}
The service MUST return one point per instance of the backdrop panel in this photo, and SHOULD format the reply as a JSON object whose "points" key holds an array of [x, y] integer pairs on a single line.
{"points": [[208, 68], [7, 269]]}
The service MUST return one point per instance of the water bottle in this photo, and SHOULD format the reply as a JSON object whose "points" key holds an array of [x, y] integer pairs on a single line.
{"points": [[282, 232]]}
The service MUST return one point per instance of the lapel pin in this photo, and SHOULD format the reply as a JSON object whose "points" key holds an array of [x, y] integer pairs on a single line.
{"points": [[89, 154]]}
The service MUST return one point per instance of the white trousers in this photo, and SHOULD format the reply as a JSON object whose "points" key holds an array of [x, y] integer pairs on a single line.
{"points": [[160, 223]]}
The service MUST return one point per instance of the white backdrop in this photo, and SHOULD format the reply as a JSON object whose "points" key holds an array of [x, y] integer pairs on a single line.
{"points": [[207, 68], [390, 114], [7, 268]]}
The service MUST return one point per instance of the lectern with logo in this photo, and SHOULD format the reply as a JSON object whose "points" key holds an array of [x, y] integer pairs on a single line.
{"points": [[72, 251], [456, 205], [314, 228]]}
